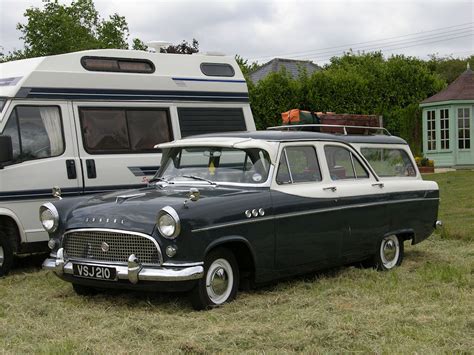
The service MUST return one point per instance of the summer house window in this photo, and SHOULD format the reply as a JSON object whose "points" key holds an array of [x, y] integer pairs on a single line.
{"points": [[36, 132], [464, 129], [444, 128], [431, 130], [119, 130]]}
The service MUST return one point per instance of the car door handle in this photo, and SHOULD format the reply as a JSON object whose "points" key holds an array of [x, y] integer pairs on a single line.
{"points": [[71, 169], [379, 184], [332, 188], [91, 171]]}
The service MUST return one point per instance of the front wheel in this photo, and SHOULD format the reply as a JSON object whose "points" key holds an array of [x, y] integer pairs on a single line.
{"points": [[389, 253], [220, 282], [6, 254]]}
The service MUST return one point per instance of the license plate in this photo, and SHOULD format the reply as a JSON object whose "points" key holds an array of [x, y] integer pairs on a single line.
{"points": [[95, 272]]}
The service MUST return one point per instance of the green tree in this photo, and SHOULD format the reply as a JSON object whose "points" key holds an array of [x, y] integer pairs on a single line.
{"points": [[245, 66], [183, 48], [364, 83], [60, 28], [449, 68]]}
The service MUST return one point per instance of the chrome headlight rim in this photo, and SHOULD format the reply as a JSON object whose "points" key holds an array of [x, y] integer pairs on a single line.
{"points": [[54, 212], [170, 211]]}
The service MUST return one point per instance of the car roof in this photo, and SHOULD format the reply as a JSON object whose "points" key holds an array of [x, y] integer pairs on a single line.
{"points": [[291, 136]]}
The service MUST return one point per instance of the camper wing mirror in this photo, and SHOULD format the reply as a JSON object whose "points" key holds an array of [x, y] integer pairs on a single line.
{"points": [[6, 150]]}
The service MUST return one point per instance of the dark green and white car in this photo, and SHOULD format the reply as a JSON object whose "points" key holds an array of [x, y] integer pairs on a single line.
{"points": [[246, 208]]}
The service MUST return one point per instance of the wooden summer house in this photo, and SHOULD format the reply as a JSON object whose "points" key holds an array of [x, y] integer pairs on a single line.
{"points": [[448, 124]]}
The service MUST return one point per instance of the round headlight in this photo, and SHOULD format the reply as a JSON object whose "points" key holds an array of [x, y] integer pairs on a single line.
{"points": [[49, 217], [168, 222]]}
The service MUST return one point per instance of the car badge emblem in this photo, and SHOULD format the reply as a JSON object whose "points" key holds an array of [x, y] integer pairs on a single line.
{"points": [[105, 247]]}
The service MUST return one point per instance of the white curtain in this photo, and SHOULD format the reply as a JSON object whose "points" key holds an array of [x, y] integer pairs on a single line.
{"points": [[52, 124]]}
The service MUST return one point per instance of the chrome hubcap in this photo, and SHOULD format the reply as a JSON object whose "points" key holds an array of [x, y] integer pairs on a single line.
{"points": [[390, 251], [2, 256], [219, 281]]}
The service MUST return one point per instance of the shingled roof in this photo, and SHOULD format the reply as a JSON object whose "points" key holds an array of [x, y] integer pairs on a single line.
{"points": [[292, 66], [460, 89]]}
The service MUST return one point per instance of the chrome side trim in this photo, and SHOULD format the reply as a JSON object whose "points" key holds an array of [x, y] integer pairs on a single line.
{"points": [[120, 231], [308, 212], [231, 224]]}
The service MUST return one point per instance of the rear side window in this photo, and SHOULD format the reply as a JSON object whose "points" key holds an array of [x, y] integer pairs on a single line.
{"points": [[36, 132], [388, 162], [343, 164], [298, 164], [120, 130], [217, 69], [210, 120]]}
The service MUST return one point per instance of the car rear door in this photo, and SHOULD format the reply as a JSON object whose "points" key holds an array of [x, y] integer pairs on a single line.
{"points": [[361, 200], [307, 227]]}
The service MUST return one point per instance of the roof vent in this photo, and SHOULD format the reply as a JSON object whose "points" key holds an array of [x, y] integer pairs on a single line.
{"points": [[215, 53]]}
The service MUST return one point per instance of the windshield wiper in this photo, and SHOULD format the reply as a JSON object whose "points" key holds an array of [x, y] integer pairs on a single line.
{"points": [[157, 178], [199, 178]]}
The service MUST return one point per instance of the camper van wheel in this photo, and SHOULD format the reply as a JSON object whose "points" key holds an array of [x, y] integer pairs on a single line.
{"points": [[6, 254]]}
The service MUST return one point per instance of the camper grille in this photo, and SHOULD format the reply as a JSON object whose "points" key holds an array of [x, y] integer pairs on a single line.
{"points": [[89, 245]]}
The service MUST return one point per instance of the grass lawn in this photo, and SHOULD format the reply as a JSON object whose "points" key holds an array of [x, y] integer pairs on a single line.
{"points": [[426, 305]]}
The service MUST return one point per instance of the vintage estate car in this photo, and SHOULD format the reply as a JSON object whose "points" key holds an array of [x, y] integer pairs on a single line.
{"points": [[245, 208]]}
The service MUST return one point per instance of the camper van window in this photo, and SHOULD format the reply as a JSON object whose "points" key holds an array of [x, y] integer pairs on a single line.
{"points": [[217, 69], [36, 132], [2, 104], [119, 130], [118, 65]]}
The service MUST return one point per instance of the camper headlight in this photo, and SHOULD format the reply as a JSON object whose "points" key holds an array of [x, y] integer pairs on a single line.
{"points": [[49, 217], [168, 222]]}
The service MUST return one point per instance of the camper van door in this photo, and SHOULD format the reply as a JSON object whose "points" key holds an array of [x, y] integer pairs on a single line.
{"points": [[116, 142], [44, 155]]}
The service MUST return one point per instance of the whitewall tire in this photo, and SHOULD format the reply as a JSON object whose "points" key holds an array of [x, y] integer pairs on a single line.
{"points": [[220, 282]]}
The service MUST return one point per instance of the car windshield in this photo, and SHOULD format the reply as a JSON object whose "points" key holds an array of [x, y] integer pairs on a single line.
{"points": [[215, 165]]}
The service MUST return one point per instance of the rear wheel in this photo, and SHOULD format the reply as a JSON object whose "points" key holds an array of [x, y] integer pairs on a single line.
{"points": [[6, 254], [220, 282], [389, 253]]}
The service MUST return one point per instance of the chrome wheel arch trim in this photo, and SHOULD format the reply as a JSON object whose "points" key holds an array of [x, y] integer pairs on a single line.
{"points": [[118, 231]]}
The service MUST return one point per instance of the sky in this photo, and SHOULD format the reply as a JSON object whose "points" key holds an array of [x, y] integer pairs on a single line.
{"points": [[299, 29]]}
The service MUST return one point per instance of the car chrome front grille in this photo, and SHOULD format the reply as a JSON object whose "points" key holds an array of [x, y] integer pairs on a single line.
{"points": [[110, 246]]}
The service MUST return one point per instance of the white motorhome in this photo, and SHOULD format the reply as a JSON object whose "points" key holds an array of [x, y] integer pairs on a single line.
{"points": [[87, 122]]}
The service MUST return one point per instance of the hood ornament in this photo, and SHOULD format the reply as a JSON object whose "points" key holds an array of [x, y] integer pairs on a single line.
{"points": [[193, 195]]}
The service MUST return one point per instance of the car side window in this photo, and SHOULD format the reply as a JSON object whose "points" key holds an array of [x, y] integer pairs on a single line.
{"points": [[36, 132], [298, 164], [343, 164], [389, 162]]}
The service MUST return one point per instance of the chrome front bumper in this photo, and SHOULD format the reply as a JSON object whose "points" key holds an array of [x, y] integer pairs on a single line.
{"points": [[133, 272]]}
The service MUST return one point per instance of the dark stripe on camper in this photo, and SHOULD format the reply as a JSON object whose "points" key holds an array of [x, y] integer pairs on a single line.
{"points": [[211, 80], [129, 95], [65, 192]]}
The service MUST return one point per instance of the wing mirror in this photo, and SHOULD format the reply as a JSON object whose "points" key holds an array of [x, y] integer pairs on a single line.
{"points": [[6, 150]]}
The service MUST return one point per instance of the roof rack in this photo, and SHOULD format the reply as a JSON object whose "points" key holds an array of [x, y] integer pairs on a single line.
{"points": [[344, 128]]}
